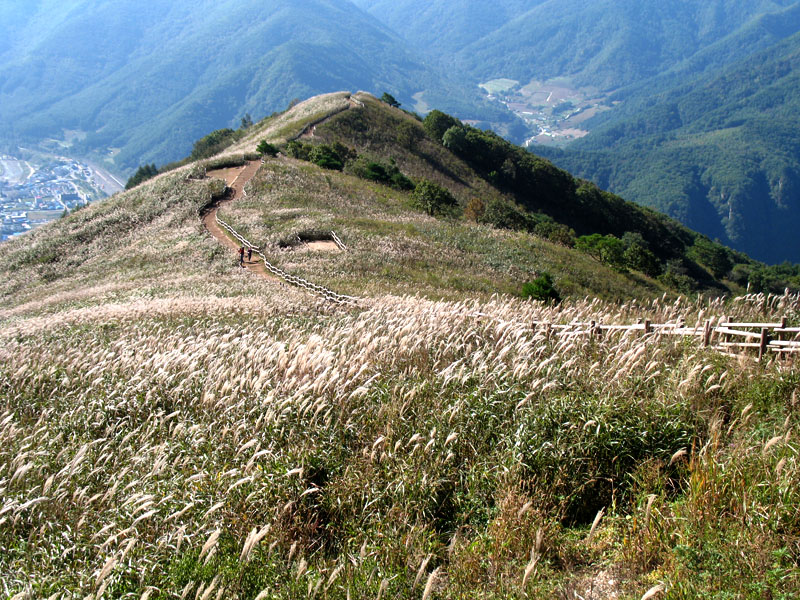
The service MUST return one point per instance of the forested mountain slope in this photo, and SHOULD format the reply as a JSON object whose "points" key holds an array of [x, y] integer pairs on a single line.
{"points": [[600, 43], [443, 27], [157, 77], [720, 154]]}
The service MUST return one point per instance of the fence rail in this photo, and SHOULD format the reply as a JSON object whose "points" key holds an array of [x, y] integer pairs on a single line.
{"points": [[315, 289], [338, 242], [766, 338]]}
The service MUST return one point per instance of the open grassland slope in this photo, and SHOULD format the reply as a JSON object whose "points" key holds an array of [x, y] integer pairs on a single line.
{"points": [[396, 248], [145, 243], [196, 449], [173, 426]]}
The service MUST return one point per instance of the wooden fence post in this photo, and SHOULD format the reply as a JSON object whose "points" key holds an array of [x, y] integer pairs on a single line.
{"points": [[647, 327], [707, 333], [762, 349]]}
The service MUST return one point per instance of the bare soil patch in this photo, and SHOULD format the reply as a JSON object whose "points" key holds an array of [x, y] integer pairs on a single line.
{"points": [[320, 246]]}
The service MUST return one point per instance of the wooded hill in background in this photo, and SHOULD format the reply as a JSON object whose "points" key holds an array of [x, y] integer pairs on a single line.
{"points": [[704, 100], [162, 75], [721, 154]]}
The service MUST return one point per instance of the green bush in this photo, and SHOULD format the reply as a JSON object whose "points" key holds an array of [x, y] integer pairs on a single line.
{"points": [[712, 255], [390, 100], [142, 174], [505, 214], [433, 198], [326, 157], [584, 450], [266, 149], [374, 170], [437, 123], [214, 143], [298, 150], [541, 289], [676, 278]]}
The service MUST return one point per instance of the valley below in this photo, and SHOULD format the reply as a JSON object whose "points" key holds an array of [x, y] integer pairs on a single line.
{"points": [[44, 187], [554, 111]]}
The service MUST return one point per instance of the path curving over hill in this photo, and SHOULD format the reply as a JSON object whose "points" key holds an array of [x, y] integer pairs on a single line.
{"points": [[236, 178]]}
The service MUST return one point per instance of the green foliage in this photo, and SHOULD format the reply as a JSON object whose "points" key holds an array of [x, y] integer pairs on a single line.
{"points": [[299, 150], [602, 440], [326, 157], [675, 277], [714, 256], [375, 170], [541, 289], [437, 123], [433, 198], [638, 255], [214, 143], [390, 100], [608, 249], [142, 174], [266, 149], [408, 135], [504, 214], [630, 252], [539, 187]]}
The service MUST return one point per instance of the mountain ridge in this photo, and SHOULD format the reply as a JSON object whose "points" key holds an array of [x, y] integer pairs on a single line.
{"points": [[183, 73]]}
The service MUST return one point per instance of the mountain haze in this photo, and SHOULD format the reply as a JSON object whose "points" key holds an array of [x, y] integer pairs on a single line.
{"points": [[165, 74]]}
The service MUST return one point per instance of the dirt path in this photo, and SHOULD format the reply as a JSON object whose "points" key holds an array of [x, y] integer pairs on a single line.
{"points": [[236, 179]]}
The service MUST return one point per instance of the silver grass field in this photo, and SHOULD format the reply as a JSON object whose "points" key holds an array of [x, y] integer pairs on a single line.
{"points": [[177, 449]]}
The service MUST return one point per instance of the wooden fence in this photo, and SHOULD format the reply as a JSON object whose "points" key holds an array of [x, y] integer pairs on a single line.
{"points": [[727, 336]]}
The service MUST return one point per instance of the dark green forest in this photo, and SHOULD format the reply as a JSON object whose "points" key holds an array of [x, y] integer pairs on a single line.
{"points": [[722, 155]]}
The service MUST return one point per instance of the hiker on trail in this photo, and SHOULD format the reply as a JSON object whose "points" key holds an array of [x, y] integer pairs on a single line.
{"points": [[249, 253], [241, 256]]}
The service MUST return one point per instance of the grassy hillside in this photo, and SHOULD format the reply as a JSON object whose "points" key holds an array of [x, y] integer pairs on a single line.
{"points": [[395, 247], [173, 426]]}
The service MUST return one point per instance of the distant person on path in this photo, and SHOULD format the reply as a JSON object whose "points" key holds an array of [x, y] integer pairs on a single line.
{"points": [[241, 256], [249, 253]]}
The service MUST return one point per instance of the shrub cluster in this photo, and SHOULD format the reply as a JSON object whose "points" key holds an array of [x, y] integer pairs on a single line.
{"points": [[338, 157], [629, 252], [541, 289], [142, 174]]}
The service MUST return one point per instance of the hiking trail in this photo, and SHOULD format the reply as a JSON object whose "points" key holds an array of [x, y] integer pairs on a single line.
{"points": [[236, 179]]}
